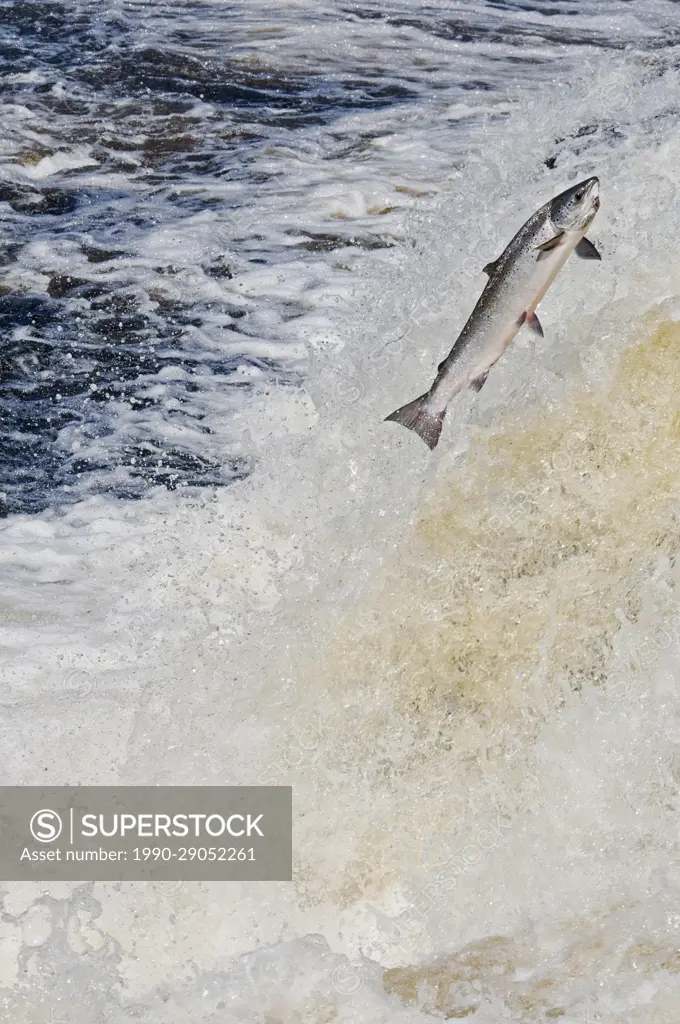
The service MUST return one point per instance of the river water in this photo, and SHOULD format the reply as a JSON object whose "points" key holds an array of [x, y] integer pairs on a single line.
{"points": [[233, 238]]}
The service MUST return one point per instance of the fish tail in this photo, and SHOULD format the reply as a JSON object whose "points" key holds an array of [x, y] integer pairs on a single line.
{"points": [[421, 417]]}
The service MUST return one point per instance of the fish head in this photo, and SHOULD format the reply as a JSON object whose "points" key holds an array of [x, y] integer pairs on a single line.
{"points": [[574, 209]]}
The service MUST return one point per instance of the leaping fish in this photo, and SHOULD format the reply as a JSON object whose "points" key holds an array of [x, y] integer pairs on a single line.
{"points": [[518, 280]]}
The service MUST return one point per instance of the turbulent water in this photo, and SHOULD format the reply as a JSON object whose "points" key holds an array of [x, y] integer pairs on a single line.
{"points": [[233, 238]]}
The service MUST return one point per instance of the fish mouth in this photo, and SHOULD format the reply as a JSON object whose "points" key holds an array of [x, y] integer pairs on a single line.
{"points": [[592, 193], [593, 189]]}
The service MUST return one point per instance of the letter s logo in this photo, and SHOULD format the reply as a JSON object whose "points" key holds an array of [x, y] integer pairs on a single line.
{"points": [[45, 826]]}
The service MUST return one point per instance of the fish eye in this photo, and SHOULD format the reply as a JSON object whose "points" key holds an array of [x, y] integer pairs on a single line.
{"points": [[579, 195]]}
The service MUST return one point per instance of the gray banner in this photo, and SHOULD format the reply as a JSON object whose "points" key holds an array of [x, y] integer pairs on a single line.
{"points": [[145, 833]]}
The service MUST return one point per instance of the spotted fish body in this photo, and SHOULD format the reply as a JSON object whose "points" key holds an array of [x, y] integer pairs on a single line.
{"points": [[518, 280]]}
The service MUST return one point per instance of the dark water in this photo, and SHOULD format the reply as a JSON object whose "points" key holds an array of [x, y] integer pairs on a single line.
{"points": [[63, 370]]}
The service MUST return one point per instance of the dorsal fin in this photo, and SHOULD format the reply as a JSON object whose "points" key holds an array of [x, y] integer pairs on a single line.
{"points": [[491, 267]]}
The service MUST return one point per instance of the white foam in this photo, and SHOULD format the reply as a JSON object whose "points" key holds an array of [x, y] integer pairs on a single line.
{"points": [[50, 165]]}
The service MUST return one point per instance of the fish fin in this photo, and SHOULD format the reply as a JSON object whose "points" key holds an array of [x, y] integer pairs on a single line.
{"points": [[551, 243], [546, 248], [417, 416], [586, 250], [535, 324], [490, 268], [478, 383]]}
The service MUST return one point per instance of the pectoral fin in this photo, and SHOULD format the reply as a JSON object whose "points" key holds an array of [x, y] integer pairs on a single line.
{"points": [[478, 383], [534, 323], [546, 248], [586, 250]]}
